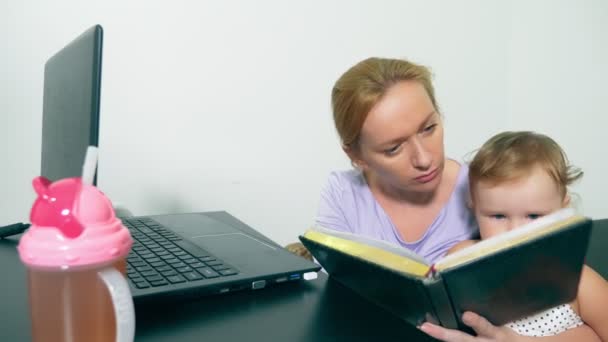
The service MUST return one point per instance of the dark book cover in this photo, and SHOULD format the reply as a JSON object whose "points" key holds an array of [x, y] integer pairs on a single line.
{"points": [[401, 294], [502, 285], [523, 280]]}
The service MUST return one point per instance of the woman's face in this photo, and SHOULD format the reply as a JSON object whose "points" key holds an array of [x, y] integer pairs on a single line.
{"points": [[401, 141]]}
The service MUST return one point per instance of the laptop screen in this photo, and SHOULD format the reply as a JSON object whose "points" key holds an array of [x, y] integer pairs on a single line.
{"points": [[70, 115]]}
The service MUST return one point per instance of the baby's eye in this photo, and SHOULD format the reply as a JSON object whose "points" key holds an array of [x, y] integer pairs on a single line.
{"points": [[498, 216], [534, 216]]}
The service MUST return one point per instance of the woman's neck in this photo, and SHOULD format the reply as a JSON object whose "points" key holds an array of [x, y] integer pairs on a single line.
{"points": [[398, 195], [414, 198]]}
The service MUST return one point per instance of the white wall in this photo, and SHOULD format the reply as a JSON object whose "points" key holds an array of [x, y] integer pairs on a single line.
{"points": [[210, 105]]}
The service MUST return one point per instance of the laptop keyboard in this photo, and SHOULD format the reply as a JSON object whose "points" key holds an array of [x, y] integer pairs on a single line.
{"points": [[160, 257]]}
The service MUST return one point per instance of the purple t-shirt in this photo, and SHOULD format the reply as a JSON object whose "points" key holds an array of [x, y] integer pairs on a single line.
{"points": [[347, 204]]}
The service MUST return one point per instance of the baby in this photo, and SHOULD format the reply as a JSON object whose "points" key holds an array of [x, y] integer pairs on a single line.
{"points": [[517, 177]]}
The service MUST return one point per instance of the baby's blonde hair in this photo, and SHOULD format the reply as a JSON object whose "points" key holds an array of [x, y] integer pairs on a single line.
{"points": [[510, 155]]}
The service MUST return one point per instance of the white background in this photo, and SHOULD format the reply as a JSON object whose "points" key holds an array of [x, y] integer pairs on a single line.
{"points": [[224, 105]]}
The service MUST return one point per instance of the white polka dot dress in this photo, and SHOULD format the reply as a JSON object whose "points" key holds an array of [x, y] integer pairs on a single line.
{"points": [[547, 323]]}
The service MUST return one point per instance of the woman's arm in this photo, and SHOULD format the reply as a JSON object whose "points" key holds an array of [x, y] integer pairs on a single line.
{"points": [[486, 332], [593, 301]]}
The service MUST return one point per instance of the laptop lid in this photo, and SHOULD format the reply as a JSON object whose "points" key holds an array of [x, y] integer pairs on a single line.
{"points": [[70, 114]]}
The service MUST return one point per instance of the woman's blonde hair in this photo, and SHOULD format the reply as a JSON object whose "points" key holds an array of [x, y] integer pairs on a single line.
{"points": [[510, 155], [364, 85]]}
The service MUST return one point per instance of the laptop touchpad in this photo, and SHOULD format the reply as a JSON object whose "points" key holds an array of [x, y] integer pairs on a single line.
{"points": [[235, 248]]}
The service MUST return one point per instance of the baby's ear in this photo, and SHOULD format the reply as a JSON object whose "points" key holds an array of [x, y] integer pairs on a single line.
{"points": [[469, 200]]}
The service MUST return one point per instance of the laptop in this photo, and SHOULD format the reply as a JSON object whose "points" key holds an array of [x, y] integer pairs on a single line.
{"points": [[176, 255]]}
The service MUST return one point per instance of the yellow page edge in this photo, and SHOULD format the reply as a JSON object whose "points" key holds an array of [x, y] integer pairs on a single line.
{"points": [[369, 253]]}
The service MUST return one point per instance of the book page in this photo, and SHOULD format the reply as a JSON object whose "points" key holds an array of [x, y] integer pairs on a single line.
{"points": [[535, 229], [376, 251]]}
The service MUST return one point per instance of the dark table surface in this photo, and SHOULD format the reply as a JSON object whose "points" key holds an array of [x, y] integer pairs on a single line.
{"points": [[317, 310]]}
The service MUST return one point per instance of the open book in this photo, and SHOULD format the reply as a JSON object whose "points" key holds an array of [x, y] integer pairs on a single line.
{"points": [[504, 278]]}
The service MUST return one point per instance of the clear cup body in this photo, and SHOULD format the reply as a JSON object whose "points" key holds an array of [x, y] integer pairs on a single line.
{"points": [[72, 305]]}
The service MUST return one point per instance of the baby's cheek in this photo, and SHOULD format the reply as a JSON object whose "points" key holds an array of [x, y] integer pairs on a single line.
{"points": [[487, 229]]}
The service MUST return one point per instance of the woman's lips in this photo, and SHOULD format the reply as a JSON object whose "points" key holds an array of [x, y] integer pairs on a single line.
{"points": [[427, 177]]}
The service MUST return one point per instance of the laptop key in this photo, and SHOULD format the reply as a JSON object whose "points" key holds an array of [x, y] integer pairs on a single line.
{"points": [[143, 268], [220, 267], [192, 276], [149, 273], [162, 269], [184, 269], [176, 279], [169, 273], [146, 230], [213, 263], [172, 260], [197, 264], [137, 263], [208, 272], [142, 284], [228, 271], [158, 283], [154, 278]]}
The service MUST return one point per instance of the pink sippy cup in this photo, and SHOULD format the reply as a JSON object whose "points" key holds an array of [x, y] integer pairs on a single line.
{"points": [[75, 252]]}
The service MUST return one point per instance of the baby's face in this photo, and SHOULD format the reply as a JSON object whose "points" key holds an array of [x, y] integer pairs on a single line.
{"points": [[501, 207]]}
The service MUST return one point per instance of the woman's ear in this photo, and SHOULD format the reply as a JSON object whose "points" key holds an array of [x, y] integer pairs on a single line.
{"points": [[354, 156], [566, 201]]}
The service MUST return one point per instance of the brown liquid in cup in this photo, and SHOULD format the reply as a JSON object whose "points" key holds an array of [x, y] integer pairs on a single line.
{"points": [[72, 305]]}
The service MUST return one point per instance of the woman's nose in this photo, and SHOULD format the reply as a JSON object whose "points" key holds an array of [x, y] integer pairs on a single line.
{"points": [[421, 157]]}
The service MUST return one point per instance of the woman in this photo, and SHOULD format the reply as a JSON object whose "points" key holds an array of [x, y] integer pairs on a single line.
{"points": [[403, 189]]}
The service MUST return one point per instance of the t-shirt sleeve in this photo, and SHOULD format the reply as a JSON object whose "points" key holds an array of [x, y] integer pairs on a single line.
{"points": [[330, 213]]}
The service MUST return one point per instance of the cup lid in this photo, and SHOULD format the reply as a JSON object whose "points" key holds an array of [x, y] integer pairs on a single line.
{"points": [[73, 224]]}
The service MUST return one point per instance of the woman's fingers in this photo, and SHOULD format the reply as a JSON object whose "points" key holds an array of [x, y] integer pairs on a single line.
{"points": [[447, 335]]}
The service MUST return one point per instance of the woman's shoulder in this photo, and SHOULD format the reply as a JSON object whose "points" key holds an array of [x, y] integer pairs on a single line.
{"points": [[460, 189], [345, 179]]}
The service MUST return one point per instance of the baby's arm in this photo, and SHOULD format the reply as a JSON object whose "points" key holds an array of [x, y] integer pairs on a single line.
{"points": [[461, 245], [593, 301]]}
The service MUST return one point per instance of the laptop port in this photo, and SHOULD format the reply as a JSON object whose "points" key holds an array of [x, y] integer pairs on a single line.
{"points": [[258, 284]]}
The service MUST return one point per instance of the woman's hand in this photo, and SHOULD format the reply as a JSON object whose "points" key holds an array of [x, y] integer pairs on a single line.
{"points": [[299, 249], [486, 332]]}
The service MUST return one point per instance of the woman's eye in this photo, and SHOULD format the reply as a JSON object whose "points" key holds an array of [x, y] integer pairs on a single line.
{"points": [[430, 128], [392, 150]]}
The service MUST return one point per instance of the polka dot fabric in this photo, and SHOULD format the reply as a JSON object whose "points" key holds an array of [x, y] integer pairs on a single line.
{"points": [[547, 323]]}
